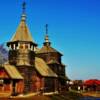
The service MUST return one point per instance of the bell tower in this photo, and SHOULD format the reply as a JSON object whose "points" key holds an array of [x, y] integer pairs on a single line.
{"points": [[22, 51]]}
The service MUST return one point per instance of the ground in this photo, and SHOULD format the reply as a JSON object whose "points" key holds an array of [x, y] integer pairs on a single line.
{"points": [[62, 96], [93, 94]]}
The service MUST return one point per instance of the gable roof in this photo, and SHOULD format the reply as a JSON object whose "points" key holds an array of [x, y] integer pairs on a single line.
{"points": [[12, 71], [22, 33], [43, 68]]}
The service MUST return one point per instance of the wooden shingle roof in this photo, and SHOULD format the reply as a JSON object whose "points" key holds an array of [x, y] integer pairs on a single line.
{"points": [[22, 33], [43, 68], [47, 49], [40, 65], [12, 71]]}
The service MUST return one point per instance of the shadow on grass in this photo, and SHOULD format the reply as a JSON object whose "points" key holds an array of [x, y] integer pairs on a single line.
{"points": [[66, 96]]}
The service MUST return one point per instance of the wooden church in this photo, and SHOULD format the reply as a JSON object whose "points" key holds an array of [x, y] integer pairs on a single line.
{"points": [[31, 69]]}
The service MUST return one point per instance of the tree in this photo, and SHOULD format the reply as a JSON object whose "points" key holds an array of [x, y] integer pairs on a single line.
{"points": [[3, 54]]}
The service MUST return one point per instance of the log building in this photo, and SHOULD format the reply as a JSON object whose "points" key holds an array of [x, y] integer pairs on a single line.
{"points": [[29, 69]]}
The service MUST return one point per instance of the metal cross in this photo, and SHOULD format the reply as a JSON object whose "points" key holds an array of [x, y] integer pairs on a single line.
{"points": [[46, 28], [24, 6]]}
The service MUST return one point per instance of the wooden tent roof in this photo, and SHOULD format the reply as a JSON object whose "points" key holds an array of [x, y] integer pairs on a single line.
{"points": [[43, 68], [12, 71], [22, 33]]}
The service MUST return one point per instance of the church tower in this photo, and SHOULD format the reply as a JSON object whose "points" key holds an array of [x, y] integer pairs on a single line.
{"points": [[21, 51], [47, 52], [53, 59]]}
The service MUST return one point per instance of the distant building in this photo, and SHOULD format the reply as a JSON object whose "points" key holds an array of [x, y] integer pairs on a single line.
{"points": [[91, 85], [30, 69]]}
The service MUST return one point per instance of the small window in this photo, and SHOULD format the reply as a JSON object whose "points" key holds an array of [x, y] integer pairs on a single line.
{"points": [[1, 81]]}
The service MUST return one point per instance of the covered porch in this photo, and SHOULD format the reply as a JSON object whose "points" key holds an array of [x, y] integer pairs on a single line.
{"points": [[11, 81]]}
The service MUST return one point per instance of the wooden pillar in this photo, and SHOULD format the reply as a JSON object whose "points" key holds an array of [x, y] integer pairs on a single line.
{"points": [[18, 46], [14, 46], [42, 84], [29, 46], [11, 86]]}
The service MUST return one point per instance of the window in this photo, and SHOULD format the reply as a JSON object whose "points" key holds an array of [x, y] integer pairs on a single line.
{"points": [[1, 81]]}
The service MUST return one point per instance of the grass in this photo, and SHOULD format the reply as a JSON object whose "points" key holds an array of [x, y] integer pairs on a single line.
{"points": [[66, 96]]}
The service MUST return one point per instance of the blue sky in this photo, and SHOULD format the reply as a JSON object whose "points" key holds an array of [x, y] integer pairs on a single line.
{"points": [[74, 30]]}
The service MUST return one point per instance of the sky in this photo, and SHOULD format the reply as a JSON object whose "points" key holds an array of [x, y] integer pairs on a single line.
{"points": [[74, 30]]}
